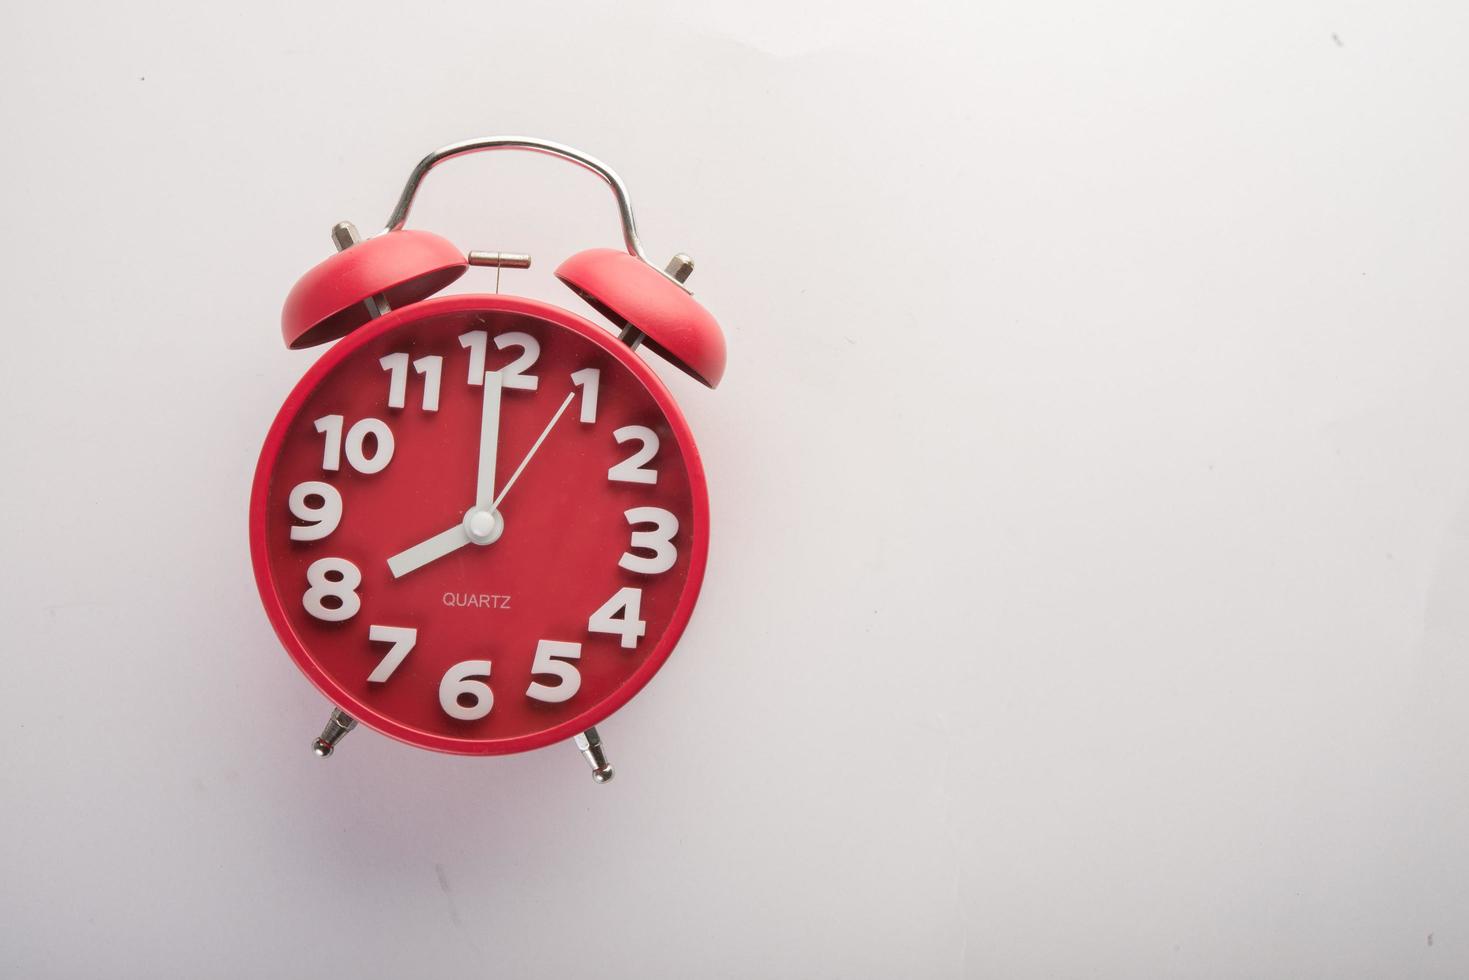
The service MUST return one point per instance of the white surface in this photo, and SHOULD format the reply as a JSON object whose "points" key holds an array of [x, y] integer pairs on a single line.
{"points": [[1090, 587]]}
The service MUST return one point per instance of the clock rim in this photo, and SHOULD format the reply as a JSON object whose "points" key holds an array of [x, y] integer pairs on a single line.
{"points": [[275, 442]]}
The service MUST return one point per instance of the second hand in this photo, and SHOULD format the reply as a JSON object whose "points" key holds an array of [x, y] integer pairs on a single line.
{"points": [[536, 445]]}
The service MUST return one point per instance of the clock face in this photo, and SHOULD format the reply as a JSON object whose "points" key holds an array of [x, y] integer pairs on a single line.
{"points": [[479, 524]]}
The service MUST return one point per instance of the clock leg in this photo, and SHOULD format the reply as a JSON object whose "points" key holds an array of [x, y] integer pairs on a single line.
{"points": [[590, 744], [337, 726]]}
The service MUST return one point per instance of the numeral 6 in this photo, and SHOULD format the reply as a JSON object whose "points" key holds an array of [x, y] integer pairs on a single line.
{"points": [[459, 683]]}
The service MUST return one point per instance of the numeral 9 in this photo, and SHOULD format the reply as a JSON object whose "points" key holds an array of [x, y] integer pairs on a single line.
{"points": [[321, 519]]}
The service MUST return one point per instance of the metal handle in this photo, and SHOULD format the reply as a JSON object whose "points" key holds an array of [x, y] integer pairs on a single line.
{"points": [[624, 207]]}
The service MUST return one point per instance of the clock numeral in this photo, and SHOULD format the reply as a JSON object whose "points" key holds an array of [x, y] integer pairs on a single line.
{"points": [[551, 658], [397, 367], [619, 616], [332, 578], [632, 470], [459, 683], [323, 517], [590, 380], [355, 445], [659, 541], [330, 426], [514, 372], [475, 341], [402, 639], [430, 367], [530, 351]]}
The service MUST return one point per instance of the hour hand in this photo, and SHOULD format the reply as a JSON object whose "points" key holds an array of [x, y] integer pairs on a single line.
{"points": [[480, 526], [435, 547]]}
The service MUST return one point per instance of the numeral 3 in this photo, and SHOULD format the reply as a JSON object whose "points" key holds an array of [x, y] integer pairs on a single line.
{"points": [[659, 541]]}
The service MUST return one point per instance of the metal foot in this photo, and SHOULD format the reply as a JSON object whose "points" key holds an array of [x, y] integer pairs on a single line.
{"points": [[590, 744], [337, 727]]}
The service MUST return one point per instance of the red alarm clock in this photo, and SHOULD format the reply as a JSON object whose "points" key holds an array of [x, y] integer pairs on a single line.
{"points": [[479, 523]]}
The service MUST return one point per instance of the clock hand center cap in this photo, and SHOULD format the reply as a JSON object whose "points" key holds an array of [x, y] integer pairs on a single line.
{"points": [[483, 526]]}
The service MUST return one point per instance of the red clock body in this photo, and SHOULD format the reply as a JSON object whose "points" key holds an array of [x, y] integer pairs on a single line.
{"points": [[479, 524]]}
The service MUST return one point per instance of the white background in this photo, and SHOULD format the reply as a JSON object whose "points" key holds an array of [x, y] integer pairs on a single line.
{"points": [[1089, 588]]}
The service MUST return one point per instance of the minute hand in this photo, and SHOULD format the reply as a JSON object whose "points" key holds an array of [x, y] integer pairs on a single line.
{"points": [[489, 439]]}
